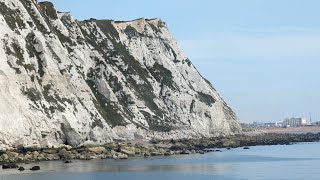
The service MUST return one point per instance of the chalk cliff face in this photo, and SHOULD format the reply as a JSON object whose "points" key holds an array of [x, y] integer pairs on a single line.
{"points": [[64, 81]]}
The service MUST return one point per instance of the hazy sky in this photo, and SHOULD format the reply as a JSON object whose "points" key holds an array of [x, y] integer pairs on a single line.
{"points": [[263, 56]]}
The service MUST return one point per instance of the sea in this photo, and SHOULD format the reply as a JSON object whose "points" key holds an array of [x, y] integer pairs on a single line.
{"points": [[280, 162]]}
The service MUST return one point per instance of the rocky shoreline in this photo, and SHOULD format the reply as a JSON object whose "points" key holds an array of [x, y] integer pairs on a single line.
{"points": [[125, 150]]}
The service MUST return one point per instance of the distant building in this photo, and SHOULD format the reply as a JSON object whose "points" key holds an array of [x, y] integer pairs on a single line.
{"points": [[269, 125], [294, 122], [262, 125], [316, 123], [278, 124]]}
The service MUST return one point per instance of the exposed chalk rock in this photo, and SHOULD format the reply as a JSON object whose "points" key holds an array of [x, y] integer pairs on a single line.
{"points": [[64, 81]]}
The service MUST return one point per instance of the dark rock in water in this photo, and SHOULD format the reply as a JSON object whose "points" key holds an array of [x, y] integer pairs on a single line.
{"points": [[10, 166], [208, 150], [218, 150], [146, 155], [185, 152], [156, 153], [35, 168], [68, 161], [21, 168], [246, 147], [228, 148]]}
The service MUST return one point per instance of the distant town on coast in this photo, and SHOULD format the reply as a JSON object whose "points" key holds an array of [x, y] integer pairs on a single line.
{"points": [[287, 122]]}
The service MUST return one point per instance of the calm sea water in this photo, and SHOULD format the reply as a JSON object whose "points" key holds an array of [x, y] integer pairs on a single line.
{"points": [[298, 161]]}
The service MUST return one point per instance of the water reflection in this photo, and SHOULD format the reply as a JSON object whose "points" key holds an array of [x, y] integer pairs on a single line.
{"points": [[275, 162], [198, 168], [212, 163], [124, 166]]}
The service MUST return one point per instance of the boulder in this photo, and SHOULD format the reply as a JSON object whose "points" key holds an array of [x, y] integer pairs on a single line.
{"points": [[20, 158], [156, 153], [45, 143], [51, 157], [127, 152], [32, 147], [12, 155], [35, 154], [10, 166], [49, 151], [167, 154], [112, 152], [35, 168], [41, 156], [64, 154], [111, 146], [62, 146], [97, 150], [85, 157], [129, 148], [186, 152], [21, 168], [89, 144], [122, 156]]}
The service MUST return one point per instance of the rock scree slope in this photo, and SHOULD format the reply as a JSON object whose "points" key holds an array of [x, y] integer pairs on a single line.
{"points": [[64, 81]]}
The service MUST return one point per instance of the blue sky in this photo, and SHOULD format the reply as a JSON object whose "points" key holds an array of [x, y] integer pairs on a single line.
{"points": [[263, 56]]}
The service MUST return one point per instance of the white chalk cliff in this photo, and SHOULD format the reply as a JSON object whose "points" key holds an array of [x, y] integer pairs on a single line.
{"points": [[64, 81]]}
